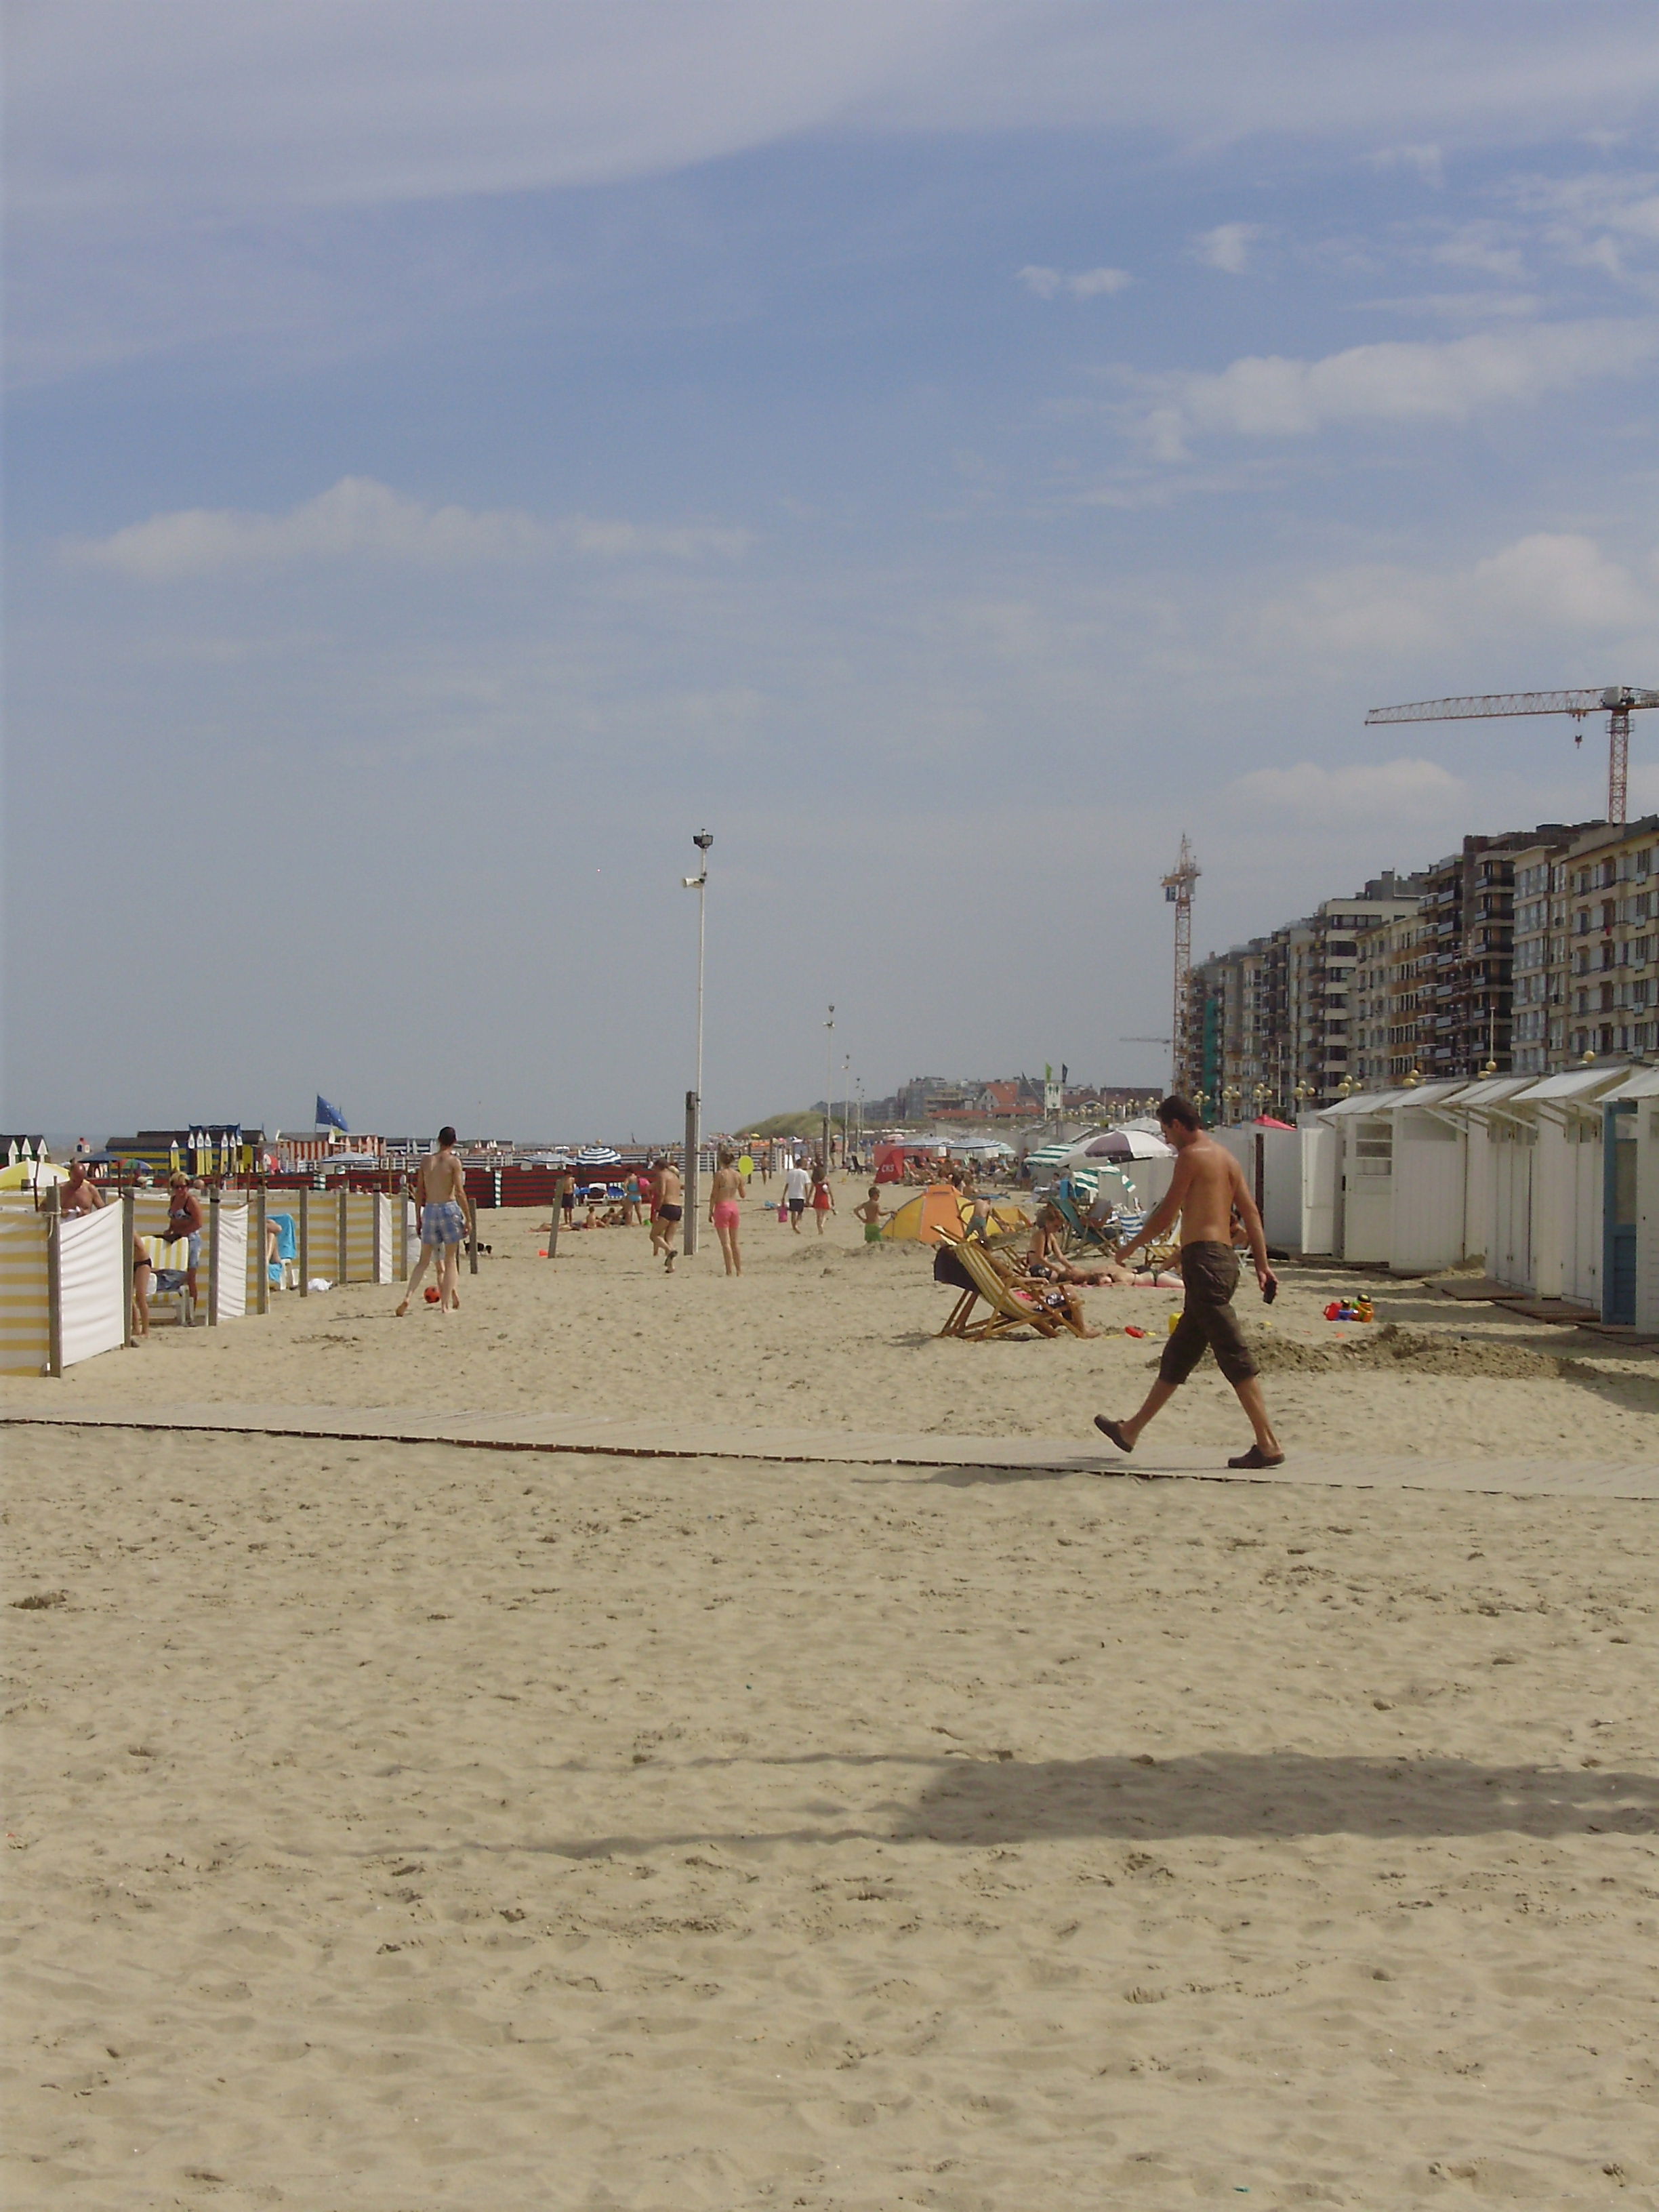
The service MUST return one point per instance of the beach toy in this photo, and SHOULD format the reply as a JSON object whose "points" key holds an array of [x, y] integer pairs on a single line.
{"points": [[1131, 1330], [431, 1294], [1170, 1330]]}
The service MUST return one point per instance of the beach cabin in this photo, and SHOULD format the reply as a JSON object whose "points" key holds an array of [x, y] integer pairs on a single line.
{"points": [[1566, 1197], [1629, 1226], [1498, 1150], [1399, 1201], [1271, 1158]]}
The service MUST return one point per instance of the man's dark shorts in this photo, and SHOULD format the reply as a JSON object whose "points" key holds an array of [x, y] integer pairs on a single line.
{"points": [[798, 1205], [669, 1213], [1211, 1274]]}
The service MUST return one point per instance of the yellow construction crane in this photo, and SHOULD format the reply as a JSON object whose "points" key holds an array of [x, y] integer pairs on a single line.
{"points": [[1178, 893], [1619, 700]]}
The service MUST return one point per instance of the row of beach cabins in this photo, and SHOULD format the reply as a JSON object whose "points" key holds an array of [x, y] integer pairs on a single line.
{"points": [[1551, 1184]]}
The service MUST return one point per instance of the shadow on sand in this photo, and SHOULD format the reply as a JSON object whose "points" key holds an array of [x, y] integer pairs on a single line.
{"points": [[1271, 1796]]}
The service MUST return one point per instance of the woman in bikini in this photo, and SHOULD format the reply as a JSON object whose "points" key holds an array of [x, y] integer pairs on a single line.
{"points": [[726, 1210], [1046, 1257]]}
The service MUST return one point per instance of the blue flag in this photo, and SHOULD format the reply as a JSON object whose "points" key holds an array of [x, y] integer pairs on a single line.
{"points": [[331, 1117]]}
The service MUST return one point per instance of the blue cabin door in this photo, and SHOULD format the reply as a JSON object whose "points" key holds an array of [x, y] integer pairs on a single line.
{"points": [[1618, 1215]]}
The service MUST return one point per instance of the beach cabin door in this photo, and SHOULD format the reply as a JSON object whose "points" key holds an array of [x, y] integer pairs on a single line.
{"points": [[1510, 1259], [1322, 1167], [1368, 1188], [1618, 1215]]}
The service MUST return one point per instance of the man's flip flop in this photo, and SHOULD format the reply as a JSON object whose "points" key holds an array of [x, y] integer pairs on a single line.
{"points": [[1256, 1457], [1114, 1434]]}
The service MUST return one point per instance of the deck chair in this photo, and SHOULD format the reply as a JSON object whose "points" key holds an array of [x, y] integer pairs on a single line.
{"points": [[1081, 1233], [170, 1276], [284, 1269], [965, 1264]]}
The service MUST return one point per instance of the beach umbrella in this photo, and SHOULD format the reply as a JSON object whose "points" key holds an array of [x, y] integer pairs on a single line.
{"points": [[1125, 1145], [29, 1175], [1272, 1121], [597, 1156]]}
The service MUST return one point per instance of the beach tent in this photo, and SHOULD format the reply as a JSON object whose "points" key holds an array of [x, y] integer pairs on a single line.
{"points": [[941, 1211], [894, 1156], [932, 1213]]}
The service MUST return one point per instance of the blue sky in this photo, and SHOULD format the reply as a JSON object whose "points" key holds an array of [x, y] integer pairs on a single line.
{"points": [[951, 449]]}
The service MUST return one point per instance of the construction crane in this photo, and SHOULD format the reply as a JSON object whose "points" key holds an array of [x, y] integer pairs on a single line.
{"points": [[1620, 701], [1178, 893]]}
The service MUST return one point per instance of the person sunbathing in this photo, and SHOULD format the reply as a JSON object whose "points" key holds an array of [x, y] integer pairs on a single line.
{"points": [[1042, 1291], [1047, 1259]]}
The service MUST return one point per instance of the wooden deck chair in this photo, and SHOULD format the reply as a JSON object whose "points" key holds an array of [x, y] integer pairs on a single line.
{"points": [[1007, 1310]]}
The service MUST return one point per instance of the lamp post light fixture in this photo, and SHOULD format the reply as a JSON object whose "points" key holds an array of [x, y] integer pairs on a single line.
{"points": [[829, 1078], [699, 883], [1230, 1097]]}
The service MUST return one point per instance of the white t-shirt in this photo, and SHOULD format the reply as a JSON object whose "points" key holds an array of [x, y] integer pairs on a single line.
{"points": [[796, 1184]]}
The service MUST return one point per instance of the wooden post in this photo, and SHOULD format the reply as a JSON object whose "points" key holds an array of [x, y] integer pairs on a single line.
{"points": [[54, 1212], [129, 1208], [345, 1232], [262, 1213], [471, 1213], [212, 1258], [554, 1212], [403, 1236], [693, 1146], [54, 1284], [304, 1240]]}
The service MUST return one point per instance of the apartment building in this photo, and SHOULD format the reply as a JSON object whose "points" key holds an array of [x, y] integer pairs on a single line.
{"points": [[1392, 1000], [1271, 1021], [1610, 899]]}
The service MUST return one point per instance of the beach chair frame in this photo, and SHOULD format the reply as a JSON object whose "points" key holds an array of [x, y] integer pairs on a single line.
{"points": [[1008, 1312]]}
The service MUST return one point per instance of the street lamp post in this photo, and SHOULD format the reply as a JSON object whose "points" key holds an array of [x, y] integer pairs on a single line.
{"points": [[829, 1078], [699, 883]]}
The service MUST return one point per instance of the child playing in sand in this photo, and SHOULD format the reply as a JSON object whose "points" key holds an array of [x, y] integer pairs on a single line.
{"points": [[870, 1214]]}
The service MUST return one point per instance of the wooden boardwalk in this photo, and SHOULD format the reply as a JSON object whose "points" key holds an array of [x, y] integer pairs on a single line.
{"points": [[1014, 1457]]}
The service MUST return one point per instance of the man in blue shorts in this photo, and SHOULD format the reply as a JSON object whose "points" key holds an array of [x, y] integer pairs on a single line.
{"points": [[446, 1221]]}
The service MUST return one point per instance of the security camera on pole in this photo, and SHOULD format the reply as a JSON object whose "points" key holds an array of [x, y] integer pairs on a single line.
{"points": [[699, 883]]}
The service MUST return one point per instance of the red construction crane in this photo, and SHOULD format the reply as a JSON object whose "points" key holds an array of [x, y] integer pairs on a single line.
{"points": [[1178, 891], [1620, 701]]}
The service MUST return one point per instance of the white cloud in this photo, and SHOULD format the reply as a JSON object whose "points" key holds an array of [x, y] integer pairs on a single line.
{"points": [[358, 517], [1400, 381], [1462, 307], [1082, 284], [384, 101], [1227, 247], [1606, 222], [1388, 793], [1562, 579], [1427, 163], [1480, 246], [1549, 594]]}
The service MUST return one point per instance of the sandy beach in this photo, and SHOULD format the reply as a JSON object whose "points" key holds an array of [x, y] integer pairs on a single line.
{"points": [[412, 1828]]}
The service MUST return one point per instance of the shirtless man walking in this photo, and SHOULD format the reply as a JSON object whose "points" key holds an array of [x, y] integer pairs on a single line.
{"points": [[446, 1216], [725, 1209], [668, 1204], [1208, 1189]]}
